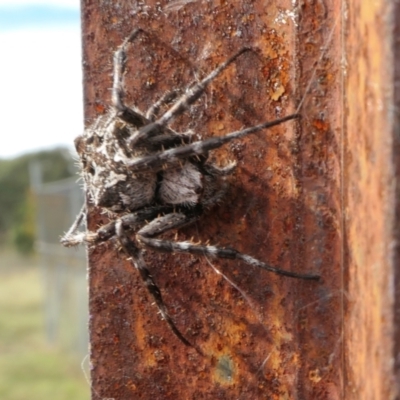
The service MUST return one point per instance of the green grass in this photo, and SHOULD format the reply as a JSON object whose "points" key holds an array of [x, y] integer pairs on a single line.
{"points": [[29, 367]]}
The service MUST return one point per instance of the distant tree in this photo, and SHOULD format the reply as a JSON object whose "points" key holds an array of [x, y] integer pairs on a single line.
{"points": [[23, 232], [16, 202]]}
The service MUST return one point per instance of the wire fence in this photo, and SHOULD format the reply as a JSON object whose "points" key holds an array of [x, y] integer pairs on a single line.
{"points": [[64, 270]]}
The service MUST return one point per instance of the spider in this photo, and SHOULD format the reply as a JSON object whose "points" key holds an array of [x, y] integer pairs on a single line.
{"points": [[151, 179]]}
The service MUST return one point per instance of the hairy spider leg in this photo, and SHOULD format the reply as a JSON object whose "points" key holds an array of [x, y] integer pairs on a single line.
{"points": [[124, 112], [172, 157], [132, 221], [137, 260], [71, 238], [134, 117], [172, 221], [183, 103], [168, 138], [166, 98]]}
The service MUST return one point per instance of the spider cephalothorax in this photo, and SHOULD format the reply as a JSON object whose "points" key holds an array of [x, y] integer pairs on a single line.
{"points": [[152, 179]]}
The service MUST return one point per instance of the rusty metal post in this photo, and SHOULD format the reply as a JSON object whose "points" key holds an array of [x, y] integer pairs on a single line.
{"points": [[370, 177], [300, 199]]}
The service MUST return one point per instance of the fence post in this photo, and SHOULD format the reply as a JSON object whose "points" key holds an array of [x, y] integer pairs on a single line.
{"points": [[370, 199], [317, 195], [63, 270]]}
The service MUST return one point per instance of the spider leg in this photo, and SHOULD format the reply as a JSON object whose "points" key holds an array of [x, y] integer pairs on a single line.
{"points": [[124, 112], [70, 238], [184, 102], [155, 108], [169, 140], [170, 221], [167, 222], [173, 156], [133, 117], [132, 221], [136, 257]]}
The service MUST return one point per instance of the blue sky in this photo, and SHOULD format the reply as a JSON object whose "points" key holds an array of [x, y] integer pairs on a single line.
{"points": [[40, 75], [22, 16]]}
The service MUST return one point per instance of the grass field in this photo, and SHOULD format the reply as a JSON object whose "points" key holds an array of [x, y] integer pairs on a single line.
{"points": [[29, 367]]}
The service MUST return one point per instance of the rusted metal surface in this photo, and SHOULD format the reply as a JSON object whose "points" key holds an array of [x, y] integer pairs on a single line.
{"points": [[396, 161], [369, 175], [319, 201], [283, 339]]}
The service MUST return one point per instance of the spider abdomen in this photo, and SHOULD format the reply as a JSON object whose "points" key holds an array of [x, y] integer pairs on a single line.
{"points": [[183, 185]]}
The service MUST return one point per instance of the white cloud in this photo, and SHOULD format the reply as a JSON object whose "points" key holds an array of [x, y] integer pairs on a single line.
{"points": [[63, 3], [41, 89]]}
